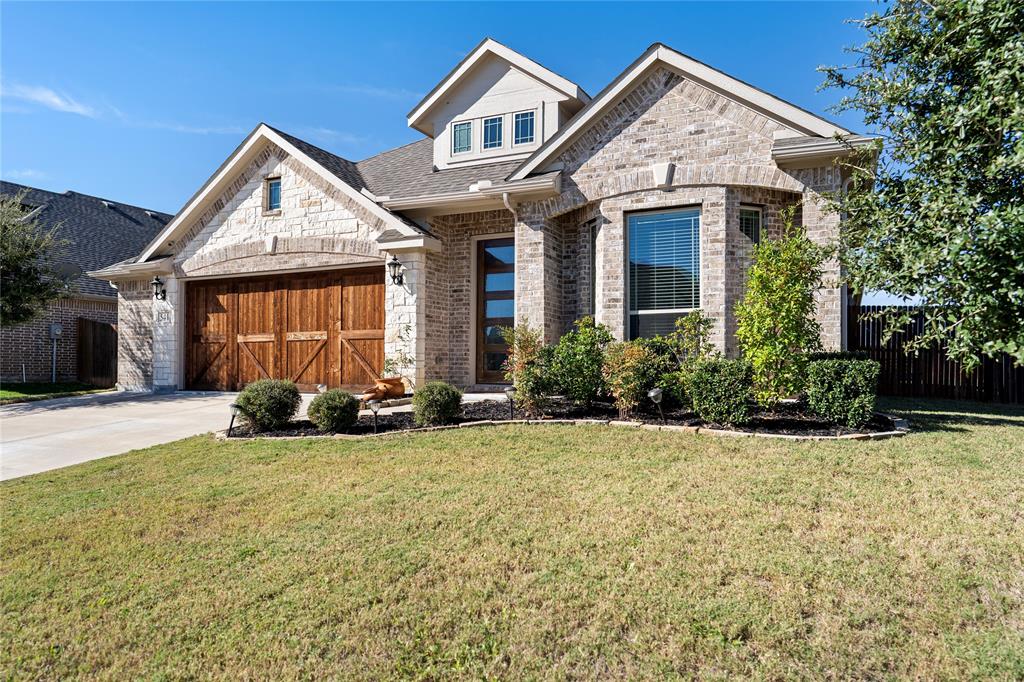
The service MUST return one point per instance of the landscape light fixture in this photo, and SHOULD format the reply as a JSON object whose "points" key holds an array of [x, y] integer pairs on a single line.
{"points": [[510, 393], [159, 292], [395, 270], [655, 395], [374, 406], [234, 413]]}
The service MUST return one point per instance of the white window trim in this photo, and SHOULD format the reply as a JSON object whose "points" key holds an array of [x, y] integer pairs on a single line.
{"points": [[700, 262], [534, 140], [483, 133], [760, 221], [267, 181], [452, 133]]}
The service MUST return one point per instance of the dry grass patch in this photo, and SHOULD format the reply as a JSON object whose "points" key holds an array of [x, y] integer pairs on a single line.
{"points": [[527, 551]]}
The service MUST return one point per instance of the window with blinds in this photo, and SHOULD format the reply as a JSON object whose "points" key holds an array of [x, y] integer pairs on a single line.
{"points": [[664, 269]]}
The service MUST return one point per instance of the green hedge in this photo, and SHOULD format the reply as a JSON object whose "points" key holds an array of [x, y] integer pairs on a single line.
{"points": [[843, 391], [436, 403], [333, 411], [268, 404], [719, 390]]}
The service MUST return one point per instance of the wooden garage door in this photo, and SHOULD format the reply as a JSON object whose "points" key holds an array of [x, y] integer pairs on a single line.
{"points": [[316, 328]]}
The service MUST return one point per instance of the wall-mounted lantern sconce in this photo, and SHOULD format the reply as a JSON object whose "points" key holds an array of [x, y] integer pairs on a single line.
{"points": [[159, 292], [395, 270]]}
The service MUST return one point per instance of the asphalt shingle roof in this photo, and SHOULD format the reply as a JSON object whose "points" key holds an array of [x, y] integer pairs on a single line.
{"points": [[404, 172], [100, 232], [408, 172]]}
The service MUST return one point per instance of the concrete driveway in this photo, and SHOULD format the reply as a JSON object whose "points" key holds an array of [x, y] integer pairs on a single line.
{"points": [[51, 434]]}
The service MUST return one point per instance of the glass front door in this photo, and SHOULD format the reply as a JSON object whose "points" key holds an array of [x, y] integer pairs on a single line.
{"points": [[495, 275]]}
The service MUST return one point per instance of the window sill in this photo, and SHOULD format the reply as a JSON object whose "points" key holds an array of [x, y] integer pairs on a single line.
{"points": [[272, 212]]}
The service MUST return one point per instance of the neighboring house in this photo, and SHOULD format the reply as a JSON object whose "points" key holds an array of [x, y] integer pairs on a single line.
{"points": [[99, 232], [526, 201]]}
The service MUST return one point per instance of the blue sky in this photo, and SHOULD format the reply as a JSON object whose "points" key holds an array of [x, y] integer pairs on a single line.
{"points": [[140, 102]]}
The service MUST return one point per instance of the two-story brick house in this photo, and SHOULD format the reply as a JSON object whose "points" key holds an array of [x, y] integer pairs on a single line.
{"points": [[526, 200]]}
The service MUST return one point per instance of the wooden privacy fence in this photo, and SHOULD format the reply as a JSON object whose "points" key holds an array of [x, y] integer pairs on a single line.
{"points": [[97, 353], [930, 374]]}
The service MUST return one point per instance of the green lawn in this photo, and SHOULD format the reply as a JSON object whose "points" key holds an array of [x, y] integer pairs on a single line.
{"points": [[21, 393], [539, 552]]}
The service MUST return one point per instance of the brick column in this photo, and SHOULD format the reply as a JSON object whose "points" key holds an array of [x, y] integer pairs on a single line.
{"points": [[714, 266], [134, 335], [538, 272], [405, 317], [822, 227]]}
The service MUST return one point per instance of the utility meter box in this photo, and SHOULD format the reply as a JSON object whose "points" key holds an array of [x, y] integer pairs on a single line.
{"points": [[56, 329]]}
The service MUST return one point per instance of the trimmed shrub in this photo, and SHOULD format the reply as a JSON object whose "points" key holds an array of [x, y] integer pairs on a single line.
{"points": [[838, 355], [268, 404], [631, 368], [436, 403], [526, 367], [843, 391], [776, 324], [720, 390], [577, 360], [333, 411]]}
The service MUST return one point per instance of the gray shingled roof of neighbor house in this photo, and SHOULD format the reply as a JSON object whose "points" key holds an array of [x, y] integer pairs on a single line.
{"points": [[100, 232]]}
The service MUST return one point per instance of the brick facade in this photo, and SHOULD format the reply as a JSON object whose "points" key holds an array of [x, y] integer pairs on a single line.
{"points": [[570, 249], [28, 346]]}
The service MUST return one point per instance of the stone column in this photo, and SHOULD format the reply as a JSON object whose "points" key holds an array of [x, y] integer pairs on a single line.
{"points": [[538, 272], [822, 227], [404, 318], [168, 328]]}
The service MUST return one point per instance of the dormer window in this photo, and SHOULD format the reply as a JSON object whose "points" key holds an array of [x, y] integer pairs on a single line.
{"points": [[462, 137], [492, 132], [273, 194], [523, 128]]}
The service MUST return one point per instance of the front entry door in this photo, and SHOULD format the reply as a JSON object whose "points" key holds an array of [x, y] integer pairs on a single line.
{"points": [[495, 274]]}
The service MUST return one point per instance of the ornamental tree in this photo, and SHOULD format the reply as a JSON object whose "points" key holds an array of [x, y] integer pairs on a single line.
{"points": [[941, 216], [776, 324], [29, 255]]}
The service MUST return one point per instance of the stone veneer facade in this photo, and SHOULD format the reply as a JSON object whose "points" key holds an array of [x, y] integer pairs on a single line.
{"points": [[570, 249]]}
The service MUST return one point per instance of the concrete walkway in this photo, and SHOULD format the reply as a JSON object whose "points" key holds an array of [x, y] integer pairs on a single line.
{"points": [[50, 434]]}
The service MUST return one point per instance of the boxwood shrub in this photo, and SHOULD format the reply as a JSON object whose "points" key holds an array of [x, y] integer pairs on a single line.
{"points": [[333, 411], [436, 403], [719, 390], [843, 391], [268, 404]]}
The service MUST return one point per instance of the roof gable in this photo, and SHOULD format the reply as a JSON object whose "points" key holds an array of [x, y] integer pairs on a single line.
{"points": [[800, 121], [418, 118], [338, 172]]}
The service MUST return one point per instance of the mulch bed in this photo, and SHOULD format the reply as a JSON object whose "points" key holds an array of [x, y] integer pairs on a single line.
{"points": [[787, 419]]}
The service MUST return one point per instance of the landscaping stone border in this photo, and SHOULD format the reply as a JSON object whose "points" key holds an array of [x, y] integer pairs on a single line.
{"points": [[902, 427]]}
